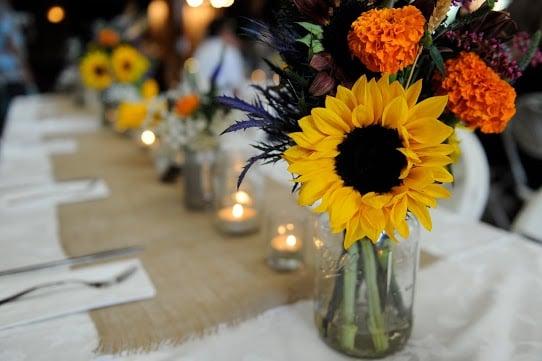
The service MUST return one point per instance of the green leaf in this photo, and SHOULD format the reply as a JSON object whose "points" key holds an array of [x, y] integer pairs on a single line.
{"points": [[307, 40], [317, 47], [314, 29], [491, 4], [437, 59], [533, 46]]}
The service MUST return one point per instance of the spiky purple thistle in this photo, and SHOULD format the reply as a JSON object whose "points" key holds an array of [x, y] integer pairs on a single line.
{"points": [[490, 50]]}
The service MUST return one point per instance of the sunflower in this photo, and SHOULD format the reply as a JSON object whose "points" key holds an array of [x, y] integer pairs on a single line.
{"points": [[149, 89], [95, 70], [130, 115], [129, 65], [371, 155]]}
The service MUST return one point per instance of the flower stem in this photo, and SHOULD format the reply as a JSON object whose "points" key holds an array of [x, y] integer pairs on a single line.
{"points": [[376, 322], [349, 328]]}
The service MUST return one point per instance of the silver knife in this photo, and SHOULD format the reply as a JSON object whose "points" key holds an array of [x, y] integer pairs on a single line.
{"points": [[85, 259]]}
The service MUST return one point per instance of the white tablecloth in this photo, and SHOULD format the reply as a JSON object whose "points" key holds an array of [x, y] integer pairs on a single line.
{"points": [[482, 301]]}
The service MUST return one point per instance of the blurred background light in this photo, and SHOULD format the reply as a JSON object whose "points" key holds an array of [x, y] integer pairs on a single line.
{"points": [[55, 14], [157, 13], [194, 3]]}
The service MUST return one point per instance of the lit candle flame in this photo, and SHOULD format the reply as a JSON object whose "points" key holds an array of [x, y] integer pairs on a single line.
{"points": [[148, 137], [242, 197], [237, 211], [291, 241]]}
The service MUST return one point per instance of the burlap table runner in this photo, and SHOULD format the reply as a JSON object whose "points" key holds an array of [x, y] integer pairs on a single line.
{"points": [[203, 279]]}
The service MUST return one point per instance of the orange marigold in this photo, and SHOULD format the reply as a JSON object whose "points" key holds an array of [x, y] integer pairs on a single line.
{"points": [[477, 95], [387, 40], [108, 37], [187, 105]]}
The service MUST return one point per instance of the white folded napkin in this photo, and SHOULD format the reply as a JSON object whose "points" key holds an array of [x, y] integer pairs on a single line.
{"points": [[48, 194], [65, 300], [56, 125], [32, 149], [69, 124]]}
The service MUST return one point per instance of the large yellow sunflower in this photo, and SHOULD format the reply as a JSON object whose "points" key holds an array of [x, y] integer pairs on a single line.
{"points": [[129, 65], [95, 70], [371, 155]]}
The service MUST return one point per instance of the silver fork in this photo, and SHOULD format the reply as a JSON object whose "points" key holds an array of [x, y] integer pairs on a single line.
{"points": [[119, 278]]}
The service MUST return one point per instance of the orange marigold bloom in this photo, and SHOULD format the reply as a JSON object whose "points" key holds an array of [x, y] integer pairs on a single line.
{"points": [[187, 105], [477, 94], [108, 38], [387, 40]]}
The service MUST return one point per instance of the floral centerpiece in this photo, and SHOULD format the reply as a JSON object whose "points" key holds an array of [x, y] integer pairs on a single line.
{"points": [[369, 95], [118, 74]]}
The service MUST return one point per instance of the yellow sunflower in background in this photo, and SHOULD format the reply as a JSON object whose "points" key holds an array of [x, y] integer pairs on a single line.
{"points": [[129, 65], [95, 70], [371, 155], [149, 89], [130, 115]]}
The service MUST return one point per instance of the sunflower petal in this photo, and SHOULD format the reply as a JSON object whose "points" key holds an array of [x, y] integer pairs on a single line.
{"points": [[347, 97], [309, 128], [398, 216], [421, 212], [338, 107], [329, 122], [429, 130], [442, 175], [360, 90], [430, 107], [413, 93], [377, 201], [395, 113], [312, 191], [363, 116]]}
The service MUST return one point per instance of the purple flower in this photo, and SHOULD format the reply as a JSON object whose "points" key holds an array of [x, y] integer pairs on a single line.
{"points": [[490, 50]]}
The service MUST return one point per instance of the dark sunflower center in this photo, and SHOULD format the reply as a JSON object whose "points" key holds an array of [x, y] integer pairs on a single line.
{"points": [[369, 161], [100, 70], [127, 65]]}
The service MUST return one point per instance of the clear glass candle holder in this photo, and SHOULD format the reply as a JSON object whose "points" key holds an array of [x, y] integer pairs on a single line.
{"points": [[286, 238], [237, 210]]}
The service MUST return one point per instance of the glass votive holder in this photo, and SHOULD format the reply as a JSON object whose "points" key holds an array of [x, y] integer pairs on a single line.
{"points": [[237, 210], [286, 238]]}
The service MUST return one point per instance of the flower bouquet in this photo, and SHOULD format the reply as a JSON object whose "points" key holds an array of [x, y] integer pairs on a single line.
{"points": [[200, 114], [369, 95], [118, 75]]}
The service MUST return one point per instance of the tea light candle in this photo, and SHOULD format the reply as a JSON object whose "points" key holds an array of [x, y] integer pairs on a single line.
{"points": [[286, 243], [238, 219], [286, 249]]}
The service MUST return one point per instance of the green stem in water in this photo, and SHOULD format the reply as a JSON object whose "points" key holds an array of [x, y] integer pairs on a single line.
{"points": [[349, 328], [376, 322]]}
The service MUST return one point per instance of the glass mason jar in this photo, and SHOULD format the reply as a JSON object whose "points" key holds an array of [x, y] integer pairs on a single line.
{"points": [[200, 161], [238, 210], [364, 296]]}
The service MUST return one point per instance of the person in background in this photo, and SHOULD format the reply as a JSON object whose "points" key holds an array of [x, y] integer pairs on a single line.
{"points": [[15, 77], [221, 37]]}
